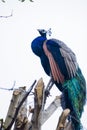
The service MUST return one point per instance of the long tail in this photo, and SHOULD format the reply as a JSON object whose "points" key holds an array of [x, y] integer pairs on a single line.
{"points": [[75, 97]]}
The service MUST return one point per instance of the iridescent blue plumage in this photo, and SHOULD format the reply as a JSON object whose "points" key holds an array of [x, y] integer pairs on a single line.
{"points": [[60, 63]]}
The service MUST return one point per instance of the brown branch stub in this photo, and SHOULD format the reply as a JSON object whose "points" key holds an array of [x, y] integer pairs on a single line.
{"points": [[38, 105], [39, 92], [21, 119], [62, 119], [12, 107]]}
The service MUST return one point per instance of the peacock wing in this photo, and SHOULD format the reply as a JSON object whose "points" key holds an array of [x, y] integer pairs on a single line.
{"points": [[50, 51], [69, 57]]}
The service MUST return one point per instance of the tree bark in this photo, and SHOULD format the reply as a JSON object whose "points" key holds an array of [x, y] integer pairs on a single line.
{"points": [[12, 108], [38, 105], [21, 119], [51, 109], [62, 120]]}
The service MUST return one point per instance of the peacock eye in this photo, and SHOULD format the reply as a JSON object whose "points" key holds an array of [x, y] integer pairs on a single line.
{"points": [[43, 31]]}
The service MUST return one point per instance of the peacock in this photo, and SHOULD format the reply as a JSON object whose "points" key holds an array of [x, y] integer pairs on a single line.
{"points": [[60, 63]]}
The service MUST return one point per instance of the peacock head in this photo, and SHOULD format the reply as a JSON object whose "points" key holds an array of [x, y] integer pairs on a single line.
{"points": [[37, 43], [42, 32]]}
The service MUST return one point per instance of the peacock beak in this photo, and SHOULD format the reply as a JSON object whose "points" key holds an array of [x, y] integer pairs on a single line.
{"points": [[39, 30]]}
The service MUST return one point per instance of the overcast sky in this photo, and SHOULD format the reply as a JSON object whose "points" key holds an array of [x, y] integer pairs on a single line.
{"points": [[68, 20]]}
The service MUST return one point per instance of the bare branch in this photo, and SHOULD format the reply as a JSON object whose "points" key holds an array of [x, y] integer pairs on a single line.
{"points": [[17, 109], [19, 0], [9, 89], [8, 15], [51, 109]]}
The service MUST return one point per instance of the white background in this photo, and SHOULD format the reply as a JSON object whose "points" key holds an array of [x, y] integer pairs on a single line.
{"points": [[68, 20]]}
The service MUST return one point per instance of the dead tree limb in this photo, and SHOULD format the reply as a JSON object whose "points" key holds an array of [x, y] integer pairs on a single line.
{"points": [[7, 16], [62, 120], [38, 105], [9, 89], [12, 107], [21, 119], [51, 109], [18, 108]]}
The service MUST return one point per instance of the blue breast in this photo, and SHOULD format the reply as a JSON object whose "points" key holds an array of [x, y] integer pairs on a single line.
{"points": [[37, 45]]}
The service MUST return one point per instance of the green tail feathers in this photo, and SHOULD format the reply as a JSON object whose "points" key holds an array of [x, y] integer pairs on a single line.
{"points": [[76, 92]]}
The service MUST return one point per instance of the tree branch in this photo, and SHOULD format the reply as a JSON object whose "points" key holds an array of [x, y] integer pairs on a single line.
{"points": [[17, 109], [9, 89], [8, 15], [51, 109], [38, 105], [19, 0], [62, 119]]}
